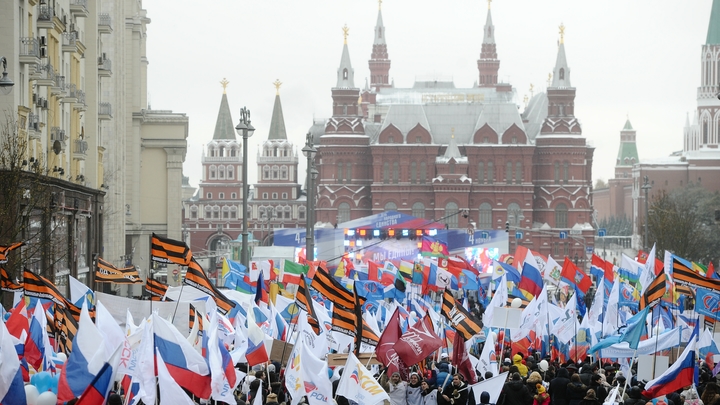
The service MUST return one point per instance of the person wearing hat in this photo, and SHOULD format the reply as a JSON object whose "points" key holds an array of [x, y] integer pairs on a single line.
{"points": [[515, 391], [414, 390], [542, 397], [596, 385], [272, 399], [396, 388], [558, 387], [522, 368], [443, 375], [590, 398]]}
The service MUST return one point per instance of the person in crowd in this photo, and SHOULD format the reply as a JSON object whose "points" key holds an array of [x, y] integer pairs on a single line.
{"points": [[596, 385], [542, 397], [443, 375], [690, 396], [558, 387], [521, 368], [414, 390], [272, 399], [710, 394], [341, 400], [485, 398], [635, 396], [455, 393], [515, 392], [429, 394], [532, 382], [255, 390], [396, 388], [114, 399], [576, 390], [590, 398]]}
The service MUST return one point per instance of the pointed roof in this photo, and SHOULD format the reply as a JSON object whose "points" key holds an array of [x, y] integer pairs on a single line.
{"points": [[379, 29], [628, 126], [452, 150], [489, 31], [277, 122], [561, 73], [224, 128], [345, 73], [713, 33]]}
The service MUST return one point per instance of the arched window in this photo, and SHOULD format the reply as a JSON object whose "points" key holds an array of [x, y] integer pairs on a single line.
{"points": [[508, 173], [212, 172], [561, 216], [557, 172], [562, 73], [343, 212], [221, 172], [266, 172], [390, 206], [386, 173], [345, 74], [231, 172], [490, 173], [418, 210], [395, 172], [348, 172], [518, 173], [451, 215], [413, 172], [481, 173], [566, 172], [283, 172], [514, 215], [452, 167], [275, 172], [485, 216], [423, 173]]}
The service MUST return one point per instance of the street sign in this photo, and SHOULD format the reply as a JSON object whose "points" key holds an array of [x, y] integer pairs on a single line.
{"points": [[589, 249], [485, 235], [602, 232], [518, 235], [563, 235]]}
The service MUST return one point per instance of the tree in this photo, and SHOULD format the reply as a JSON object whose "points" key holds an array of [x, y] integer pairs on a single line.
{"points": [[600, 183], [616, 226], [682, 222]]}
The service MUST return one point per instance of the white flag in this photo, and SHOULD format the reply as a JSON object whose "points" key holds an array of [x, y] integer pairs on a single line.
{"points": [[610, 320], [258, 400], [552, 272], [566, 327], [647, 273], [222, 390], [357, 384], [293, 378], [172, 393], [499, 299], [314, 371], [492, 386], [488, 357]]}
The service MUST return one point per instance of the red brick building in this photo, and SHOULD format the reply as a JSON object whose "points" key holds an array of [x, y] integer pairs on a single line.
{"points": [[434, 150]]}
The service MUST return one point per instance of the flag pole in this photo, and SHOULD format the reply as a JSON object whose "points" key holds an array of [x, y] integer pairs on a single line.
{"points": [[657, 337], [182, 287]]}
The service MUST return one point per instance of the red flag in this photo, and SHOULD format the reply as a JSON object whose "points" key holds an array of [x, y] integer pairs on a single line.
{"points": [[373, 271], [456, 265], [710, 270], [418, 342], [571, 274], [385, 351], [461, 359], [659, 265]]}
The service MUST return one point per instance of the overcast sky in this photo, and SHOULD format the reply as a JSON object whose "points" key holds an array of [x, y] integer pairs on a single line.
{"points": [[628, 58]]}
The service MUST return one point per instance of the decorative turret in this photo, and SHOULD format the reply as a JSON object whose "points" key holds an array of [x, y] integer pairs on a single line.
{"points": [[561, 97], [224, 127], [379, 63], [346, 109], [345, 73], [488, 64], [627, 153], [277, 122]]}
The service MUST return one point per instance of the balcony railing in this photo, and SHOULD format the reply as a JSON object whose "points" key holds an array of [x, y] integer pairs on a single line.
{"points": [[29, 50], [104, 23], [80, 103], [69, 41], [104, 110], [59, 88], [45, 74], [79, 8], [81, 147], [57, 134], [104, 66], [45, 16], [70, 93], [33, 122]]}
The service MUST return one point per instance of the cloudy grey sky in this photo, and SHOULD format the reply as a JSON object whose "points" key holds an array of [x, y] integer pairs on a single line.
{"points": [[628, 58]]}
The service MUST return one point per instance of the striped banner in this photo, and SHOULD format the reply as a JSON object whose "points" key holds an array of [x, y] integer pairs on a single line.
{"points": [[156, 289], [164, 250], [192, 316], [6, 284], [654, 292], [304, 301], [334, 291], [195, 277], [4, 250], [684, 275], [459, 317], [107, 273], [65, 329], [37, 286]]}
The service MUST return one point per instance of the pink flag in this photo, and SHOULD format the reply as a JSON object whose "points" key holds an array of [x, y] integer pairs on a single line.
{"points": [[418, 342]]}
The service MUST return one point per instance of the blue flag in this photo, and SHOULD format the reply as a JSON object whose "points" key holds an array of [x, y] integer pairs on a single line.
{"points": [[636, 327]]}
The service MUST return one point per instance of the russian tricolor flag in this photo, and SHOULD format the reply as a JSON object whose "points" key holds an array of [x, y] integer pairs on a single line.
{"points": [[97, 391], [35, 342], [12, 388], [184, 363], [256, 353], [531, 280], [682, 373]]}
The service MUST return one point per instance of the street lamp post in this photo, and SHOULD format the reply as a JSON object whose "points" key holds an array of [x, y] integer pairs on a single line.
{"points": [[246, 130], [5, 83], [646, 186], [309, 151]]}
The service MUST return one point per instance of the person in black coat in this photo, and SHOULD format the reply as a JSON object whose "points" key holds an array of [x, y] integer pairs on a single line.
{"points": [[600, 391], [558, 387], [576, 390], [515, 392], [455, 393]]}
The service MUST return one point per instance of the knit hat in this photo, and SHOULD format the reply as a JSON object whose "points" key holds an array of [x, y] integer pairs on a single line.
{"points": [[540, 389], [590, 395], [272, 398]]}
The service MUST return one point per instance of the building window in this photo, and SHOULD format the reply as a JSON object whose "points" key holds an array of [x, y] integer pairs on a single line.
{"points": [[556, 249], [561, 216], [485, 216], [265, 196], [231, 172], [481, 173], [418, 139], [212, 172], [452, 167], [193, 212], [266, 172], [390, 206], [386, 173], [418, 210], [340, 172], [221, 172], [396, 172], [514, 215], [423, 173], [233, 196], [513, 140], [226, 214], [490, 173], [274, 196], [216, 214], [284, 173], [518, 173], [562, 73], [566, 170], [301, 213], [451, 215], [486, 140], [508, 173], [413, 172], [284, 196], [557, 172], [348, 172], [275, 172], [391, 139], [566, 249], [343, 212], [209, 196], [222, 196]]}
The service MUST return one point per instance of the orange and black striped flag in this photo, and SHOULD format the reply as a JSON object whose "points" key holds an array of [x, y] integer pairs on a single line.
{"points": [[74, 311], [65, 329], [6, 284], [156, 289], [164, 250], [5, 249], [195, 277], [194, 315], [654, 292], [39, 287], [304, 301], [332, 290], [347, 322], [459, 317], [107, 273], [685, 275]]}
